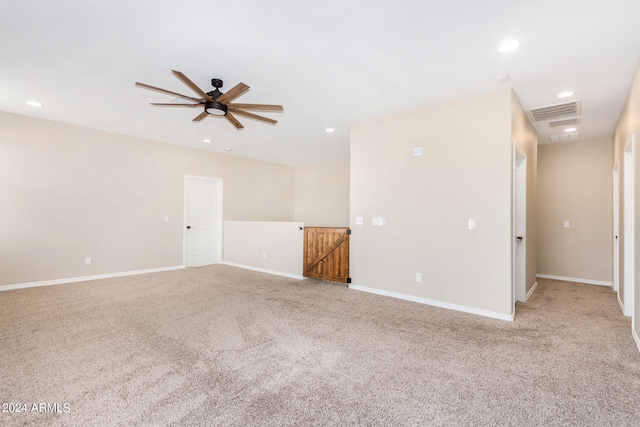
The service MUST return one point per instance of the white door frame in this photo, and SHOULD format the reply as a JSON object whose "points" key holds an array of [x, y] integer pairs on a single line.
{"points": [[616, 229], [218, 216], [629, 231], [519, 226]]}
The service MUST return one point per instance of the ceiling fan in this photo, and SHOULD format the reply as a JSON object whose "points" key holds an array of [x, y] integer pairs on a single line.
{"points": [[216, 103]]}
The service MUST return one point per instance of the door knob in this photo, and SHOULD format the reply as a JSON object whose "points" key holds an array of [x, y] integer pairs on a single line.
{"points": [[188, 227]]}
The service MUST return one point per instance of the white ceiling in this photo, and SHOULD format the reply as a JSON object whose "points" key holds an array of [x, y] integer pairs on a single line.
{"points": [[331, 63]]}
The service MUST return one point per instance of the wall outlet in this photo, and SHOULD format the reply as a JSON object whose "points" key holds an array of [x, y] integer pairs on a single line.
{"points": [[567, 224], [472, 223], [417, 151], [166, 218], [264, 255], [419, 277], [87, 261], [359, 220]]}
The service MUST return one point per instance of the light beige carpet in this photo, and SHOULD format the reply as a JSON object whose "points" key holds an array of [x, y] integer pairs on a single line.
{"points": [[222, 346]]}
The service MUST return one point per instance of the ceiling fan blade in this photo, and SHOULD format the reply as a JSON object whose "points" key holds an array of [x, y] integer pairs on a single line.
{"points": [[166, 92], [201, 116], [234, 121], [258, 107], [155, 104], [233, 93], [253, 116], [184, 79]]}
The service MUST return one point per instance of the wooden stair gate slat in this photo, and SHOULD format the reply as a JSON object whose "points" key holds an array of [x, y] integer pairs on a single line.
{"points": [[326, 253]]}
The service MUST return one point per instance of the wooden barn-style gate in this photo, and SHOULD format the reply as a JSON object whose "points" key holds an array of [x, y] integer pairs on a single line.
{"points": [[326, 253]]}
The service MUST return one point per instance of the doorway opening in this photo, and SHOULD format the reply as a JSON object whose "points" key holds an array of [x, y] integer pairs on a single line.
{"points": [[629, 232], [616, 231], [519, 220]]}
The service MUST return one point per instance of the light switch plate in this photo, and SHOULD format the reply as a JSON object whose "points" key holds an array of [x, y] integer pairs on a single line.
{"points": [[417, 151], [472, 224], [567, 224], [378, 221], [359, 220]]}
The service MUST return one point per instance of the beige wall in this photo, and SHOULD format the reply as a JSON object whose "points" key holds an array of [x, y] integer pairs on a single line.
{"points": [[322, 194], [627, 129], [575, 184], [273, 246], [465, 172], [69, 192], [525, 137]]}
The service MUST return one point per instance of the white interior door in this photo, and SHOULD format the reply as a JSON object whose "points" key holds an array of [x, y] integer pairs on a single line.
{"points": [[203, 221], [519, 225], [629, 232]]}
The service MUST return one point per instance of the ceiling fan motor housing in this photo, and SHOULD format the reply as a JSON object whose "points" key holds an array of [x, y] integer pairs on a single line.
{"points": [[215, 108]]}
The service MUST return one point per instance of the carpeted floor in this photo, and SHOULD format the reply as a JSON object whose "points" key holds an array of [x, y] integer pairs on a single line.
{"points": [[222, 346]]}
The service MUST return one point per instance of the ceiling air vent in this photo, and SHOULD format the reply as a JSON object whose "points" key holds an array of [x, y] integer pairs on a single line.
{"points": [[567, 122], [558, 111], [565, 137]]}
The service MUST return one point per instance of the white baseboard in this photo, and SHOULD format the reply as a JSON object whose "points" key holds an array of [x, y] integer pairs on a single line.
{"points": [[635, 337], [620, 303], [573, 279], [264, 270], [456, 307], [87, 278], [533, 288]]}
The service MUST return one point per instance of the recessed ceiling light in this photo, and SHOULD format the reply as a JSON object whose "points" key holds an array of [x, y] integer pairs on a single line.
{"points": [[500, 78], [508, 46], [206, 141], [566, 94], [229, 149], [34, 103], [570, 129], [329, 130]]}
